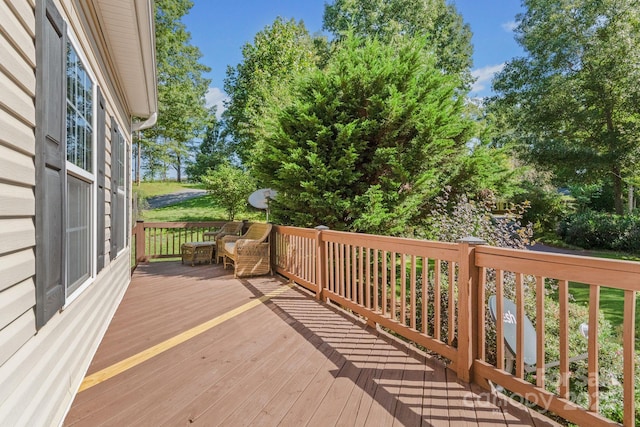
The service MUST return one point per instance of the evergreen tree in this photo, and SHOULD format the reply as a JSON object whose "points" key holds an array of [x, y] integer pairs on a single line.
{"points": [[368, 141]]}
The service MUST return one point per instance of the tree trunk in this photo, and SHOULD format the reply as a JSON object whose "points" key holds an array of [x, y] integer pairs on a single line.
{"points": [[179, 168], [617, 191]]}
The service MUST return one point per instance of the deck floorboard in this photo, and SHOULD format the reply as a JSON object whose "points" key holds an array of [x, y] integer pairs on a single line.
{"points": [[285, 360]]}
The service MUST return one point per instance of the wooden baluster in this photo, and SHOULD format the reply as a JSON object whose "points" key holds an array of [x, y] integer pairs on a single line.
{"points": [[482, 307], [350, 274], [360, 276], [376, 284], [499, 319], [452, 306], [412, 291], [384, 283], [403, 289], [354, 274], [628, 342], [540, 334], [592, 347], [563, 297], [393, 285], [367, 278], [520, 315], [425, 294], [331, 267], [437, 303]]}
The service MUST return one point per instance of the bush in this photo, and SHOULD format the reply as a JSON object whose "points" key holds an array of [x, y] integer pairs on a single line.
{"points": [[601, 230], [229, 186], [547, 207]]}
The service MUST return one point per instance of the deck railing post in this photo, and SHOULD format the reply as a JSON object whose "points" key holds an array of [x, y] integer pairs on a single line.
{"points": [[321, 263], [140, 242], [468, 279]]}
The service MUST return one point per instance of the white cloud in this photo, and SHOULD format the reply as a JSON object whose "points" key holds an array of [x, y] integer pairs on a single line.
{"points": [[215, 96], [509, 26], [484, 75]]}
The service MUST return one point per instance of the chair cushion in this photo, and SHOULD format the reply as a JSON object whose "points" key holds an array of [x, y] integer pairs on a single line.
{"points": [[230, 247]]}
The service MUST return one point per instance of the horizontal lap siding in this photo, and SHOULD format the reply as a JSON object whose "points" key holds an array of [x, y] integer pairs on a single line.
{"points": [[57, 357], [17, 177], [40, 373]]}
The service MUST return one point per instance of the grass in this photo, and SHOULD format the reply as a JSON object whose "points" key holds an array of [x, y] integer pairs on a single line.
{"points": [[611, 304], [197, 209], [151, 189], [611, 300]]}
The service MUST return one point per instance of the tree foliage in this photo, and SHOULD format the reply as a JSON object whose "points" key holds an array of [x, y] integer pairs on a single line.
{"points": [[230, 187], [181, 88], [573, 101], [260, 85], [213, 151], [439, 24], [367, 142]]}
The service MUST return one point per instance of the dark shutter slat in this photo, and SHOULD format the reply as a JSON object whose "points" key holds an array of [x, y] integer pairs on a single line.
{"points": [[51, 48], [115, 227], [101, 159]]}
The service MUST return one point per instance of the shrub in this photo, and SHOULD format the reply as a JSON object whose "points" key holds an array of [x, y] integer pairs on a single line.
{"points": [[229, 186], [600, 230], [547, 207]]}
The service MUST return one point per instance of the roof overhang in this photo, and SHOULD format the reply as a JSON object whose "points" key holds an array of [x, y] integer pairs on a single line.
{"points": [[129, 32]]}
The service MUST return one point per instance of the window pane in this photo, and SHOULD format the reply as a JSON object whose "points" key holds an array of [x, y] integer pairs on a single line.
{"points": [[79, 112], [78, 232]]}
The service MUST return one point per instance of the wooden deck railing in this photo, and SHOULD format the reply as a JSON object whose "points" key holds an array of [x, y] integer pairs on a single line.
{"points": [[164, 239], [435, 295]]}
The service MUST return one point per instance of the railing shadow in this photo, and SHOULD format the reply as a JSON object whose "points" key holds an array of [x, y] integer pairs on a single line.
{"points": [[400, 390]]}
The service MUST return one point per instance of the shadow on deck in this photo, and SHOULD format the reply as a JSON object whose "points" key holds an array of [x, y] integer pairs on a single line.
{"points": [[193, 345]]}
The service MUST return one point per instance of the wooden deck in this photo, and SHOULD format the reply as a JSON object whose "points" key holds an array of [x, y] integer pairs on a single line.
{"points": [[193, 345]]}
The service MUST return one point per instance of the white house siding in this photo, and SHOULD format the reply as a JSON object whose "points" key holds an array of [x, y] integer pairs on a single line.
{"points": [[41, 371], [17, 176]]}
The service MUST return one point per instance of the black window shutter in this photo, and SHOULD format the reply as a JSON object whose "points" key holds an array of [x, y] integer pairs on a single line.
{"points": [[51, 46], [101, 159], [115, 227]]}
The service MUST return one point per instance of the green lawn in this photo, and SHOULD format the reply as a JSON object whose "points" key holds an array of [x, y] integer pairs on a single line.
{"points": [[611, 304], [151, 189], [197, 209]]}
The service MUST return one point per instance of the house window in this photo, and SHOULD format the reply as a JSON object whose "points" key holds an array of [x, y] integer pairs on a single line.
{"points": [[79, 112], [80, 178], [119, 183]]}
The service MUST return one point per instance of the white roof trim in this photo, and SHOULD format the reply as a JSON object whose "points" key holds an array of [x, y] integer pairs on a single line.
{"points": [[128, 27]]}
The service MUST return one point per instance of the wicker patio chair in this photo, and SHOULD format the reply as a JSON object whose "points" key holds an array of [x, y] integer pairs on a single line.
{"points": [[249, 253], [228, 229]]}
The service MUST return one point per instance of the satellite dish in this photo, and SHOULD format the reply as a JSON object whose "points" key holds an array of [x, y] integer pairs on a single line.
{"points": [[260, 199]]}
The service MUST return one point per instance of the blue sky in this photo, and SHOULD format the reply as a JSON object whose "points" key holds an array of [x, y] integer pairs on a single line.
{"points": [[220, 28]]}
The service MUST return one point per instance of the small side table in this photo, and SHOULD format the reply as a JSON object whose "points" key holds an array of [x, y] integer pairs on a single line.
{"points": [[197, 252]]}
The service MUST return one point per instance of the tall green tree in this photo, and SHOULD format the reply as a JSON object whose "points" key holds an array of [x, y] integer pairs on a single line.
{"points": [[367, 142], [260, 85], [439, 24], [573, 102], [214, 149], [181, 86]]}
